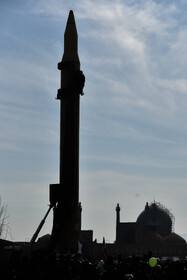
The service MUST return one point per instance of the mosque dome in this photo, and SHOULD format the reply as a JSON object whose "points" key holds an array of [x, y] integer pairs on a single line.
{"points": [[157, 217]]}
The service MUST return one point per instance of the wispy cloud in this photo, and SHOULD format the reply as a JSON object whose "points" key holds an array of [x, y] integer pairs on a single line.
{"points": [[133, 114], [136, 161], [138, 37]]}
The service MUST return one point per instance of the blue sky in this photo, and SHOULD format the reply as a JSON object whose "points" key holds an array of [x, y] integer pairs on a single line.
{"points": [[133, 118]]}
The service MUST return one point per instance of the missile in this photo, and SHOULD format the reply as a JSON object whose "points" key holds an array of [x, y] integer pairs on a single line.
{"points": [[70, 61], [65, 222]]}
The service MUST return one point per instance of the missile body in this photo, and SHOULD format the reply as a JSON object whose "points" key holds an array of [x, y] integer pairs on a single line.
{"points": [[65, 222]]}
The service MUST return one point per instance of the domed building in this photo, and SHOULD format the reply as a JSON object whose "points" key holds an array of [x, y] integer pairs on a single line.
{"points": [[152, 231]]}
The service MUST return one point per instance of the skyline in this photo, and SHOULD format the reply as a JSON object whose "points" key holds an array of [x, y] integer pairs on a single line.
{"points": [[132, 115]]}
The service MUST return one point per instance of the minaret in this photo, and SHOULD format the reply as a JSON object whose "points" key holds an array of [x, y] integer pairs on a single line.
{"points": [[117, 221], [65, 224]]}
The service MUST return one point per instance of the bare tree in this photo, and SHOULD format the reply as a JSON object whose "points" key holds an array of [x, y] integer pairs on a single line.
{"points": [[4, 226]]}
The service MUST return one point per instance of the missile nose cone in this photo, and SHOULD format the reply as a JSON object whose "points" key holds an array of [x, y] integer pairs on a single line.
{"points": [[70, 40], [71, 19]]}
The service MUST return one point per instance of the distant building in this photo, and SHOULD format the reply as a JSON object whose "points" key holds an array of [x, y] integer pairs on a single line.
{"points": [[152, 232]]}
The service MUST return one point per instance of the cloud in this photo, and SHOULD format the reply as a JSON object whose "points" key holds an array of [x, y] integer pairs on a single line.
{"points": [[136, 161], [174, 85], [133, 36], [137, 70], [133, 114]]}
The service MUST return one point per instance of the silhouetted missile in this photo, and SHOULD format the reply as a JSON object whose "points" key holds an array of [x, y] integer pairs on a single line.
{"points": [[70, 61], [71, 41], [65, 224]]}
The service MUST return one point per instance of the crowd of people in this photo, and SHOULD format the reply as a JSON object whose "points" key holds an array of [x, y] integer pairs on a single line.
{"points": [[42, 265]]}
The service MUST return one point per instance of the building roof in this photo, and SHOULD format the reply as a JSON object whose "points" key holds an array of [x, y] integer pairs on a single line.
{"points": [[174, 239]]}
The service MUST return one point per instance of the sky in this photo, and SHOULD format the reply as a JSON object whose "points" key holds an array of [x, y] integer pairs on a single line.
{"points": [[133, 117]]}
